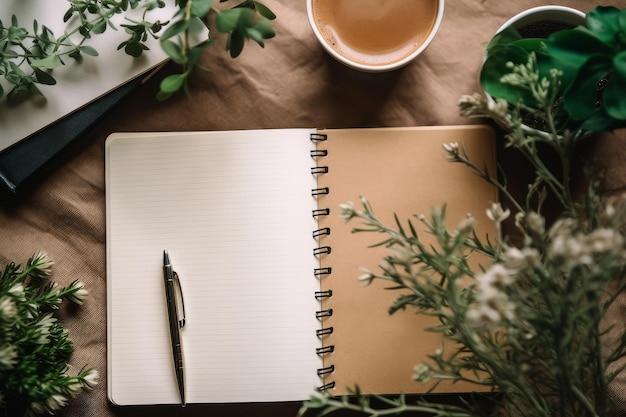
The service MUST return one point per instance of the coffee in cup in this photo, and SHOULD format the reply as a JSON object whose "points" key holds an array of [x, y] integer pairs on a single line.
{"points": [[375, 35]]}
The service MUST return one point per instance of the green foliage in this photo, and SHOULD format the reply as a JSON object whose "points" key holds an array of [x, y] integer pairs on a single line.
{"points": [[34, 346], [28, 57], [592, 63], [596, 96], [524, 313]]}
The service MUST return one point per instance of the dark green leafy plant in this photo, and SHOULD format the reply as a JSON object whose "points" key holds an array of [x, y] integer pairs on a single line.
{"points": [[28, 56], [591, 61], [35, 378], [598, 53]]}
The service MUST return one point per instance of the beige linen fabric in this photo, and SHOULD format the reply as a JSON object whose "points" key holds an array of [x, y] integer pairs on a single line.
{"points": [[290, 83]]}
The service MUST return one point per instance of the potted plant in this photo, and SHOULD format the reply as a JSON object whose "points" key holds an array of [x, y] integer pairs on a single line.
{"points": [[590, 59], [535, 325], [29, 56]]}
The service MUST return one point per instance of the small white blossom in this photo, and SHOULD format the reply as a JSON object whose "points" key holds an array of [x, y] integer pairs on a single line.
{"points": [[80, 293], [90, 379], [497, 214], [492, 302], [367, 277], [452, 147], [604, 240], [347, 210], [535, 223], [17, 291], [8, 356], [466, 225], [520, 260], [498, 107], [56, 402], [8, 309], [44, 325], [483, 316], [41, 264], [423, 373]]}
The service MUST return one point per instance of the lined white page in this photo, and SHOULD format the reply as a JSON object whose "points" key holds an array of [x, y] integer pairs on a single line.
{"points": [[234, 211]]}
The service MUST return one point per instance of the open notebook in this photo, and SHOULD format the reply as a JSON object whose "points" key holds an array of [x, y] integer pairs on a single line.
{"points": [[244, 216]]}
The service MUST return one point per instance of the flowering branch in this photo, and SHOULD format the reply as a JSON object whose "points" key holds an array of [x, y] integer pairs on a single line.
{"points": [[526, 320], [34, 346]]}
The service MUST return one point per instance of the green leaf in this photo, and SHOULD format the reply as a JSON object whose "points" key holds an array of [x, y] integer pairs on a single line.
{"points": [[235, 44], [162, 95], [264, 10], [255, 35], [173, 50], [231, 19], [17, 34], [175, 29], [194, 54], [604, 22], [576, 45], [134, 49], [614, 99], [580, 98], [49, 62], [201, 8], [619, 64], [99, 27], [88, 50], [504, 37], [495, 66], [265, 28], [172, 83], [44, 77]]}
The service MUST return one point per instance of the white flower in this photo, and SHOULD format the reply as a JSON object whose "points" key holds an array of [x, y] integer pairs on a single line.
{"points": [[17, 291], [347, 210], [492, 302], [535, 223], [8, 309], [497, 275], [41, 264], [499, 107], [604, 240], [367, 277], [90, 379], [423, 373], [520, 260], [483, 315], [8, 356], [44, 324], [452, 147], [56, 402], [572, 249], [497, 214], [466, 225], [79, 292]]}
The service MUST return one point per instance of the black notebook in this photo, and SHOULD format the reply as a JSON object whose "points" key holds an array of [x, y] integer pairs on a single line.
{"points": [[269, 270]]}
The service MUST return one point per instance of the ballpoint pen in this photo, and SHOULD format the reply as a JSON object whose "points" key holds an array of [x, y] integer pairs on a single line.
{"points": [[174, 296]]}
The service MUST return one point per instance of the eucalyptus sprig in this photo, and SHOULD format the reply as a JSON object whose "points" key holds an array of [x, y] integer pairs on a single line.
{"points": [[29, 55], [35, 378]]}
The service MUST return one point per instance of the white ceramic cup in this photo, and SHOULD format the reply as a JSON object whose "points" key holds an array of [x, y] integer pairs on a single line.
{"points": [[375, 67], [562, 14]]}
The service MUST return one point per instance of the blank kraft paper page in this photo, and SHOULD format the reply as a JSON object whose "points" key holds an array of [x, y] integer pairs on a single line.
{"points": [[234, 211]]}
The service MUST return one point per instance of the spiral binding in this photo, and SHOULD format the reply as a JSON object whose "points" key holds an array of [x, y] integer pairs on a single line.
{"points": [[320, 169]]}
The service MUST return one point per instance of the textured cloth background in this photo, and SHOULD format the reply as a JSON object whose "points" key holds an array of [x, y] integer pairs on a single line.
{"points": [[290, 83]]}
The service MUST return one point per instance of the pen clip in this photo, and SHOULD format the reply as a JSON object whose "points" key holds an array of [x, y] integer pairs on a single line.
{"points": [[179, 300]]}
